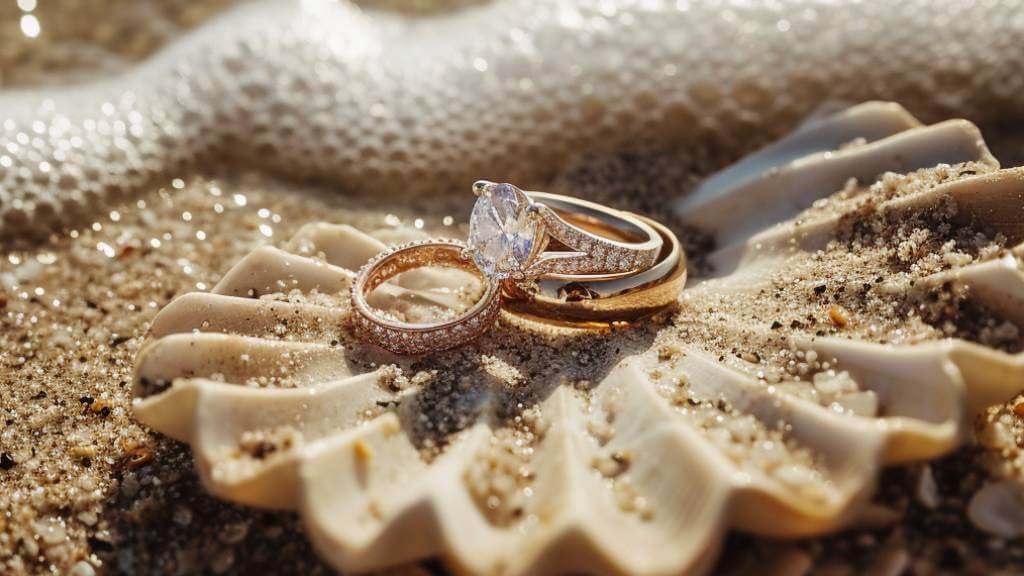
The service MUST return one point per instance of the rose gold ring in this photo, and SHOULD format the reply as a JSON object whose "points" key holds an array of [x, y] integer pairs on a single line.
{"points": [[510, 233], [418, 338]]}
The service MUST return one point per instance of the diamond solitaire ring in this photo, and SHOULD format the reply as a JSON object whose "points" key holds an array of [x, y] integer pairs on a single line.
{"points": [[510, 229], [515, 238]]}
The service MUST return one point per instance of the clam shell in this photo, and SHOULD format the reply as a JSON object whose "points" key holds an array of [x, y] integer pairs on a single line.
{"points": [[641, 472]]}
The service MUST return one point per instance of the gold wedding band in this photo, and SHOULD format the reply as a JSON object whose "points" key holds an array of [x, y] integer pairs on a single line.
{"points": [[598, 303]]}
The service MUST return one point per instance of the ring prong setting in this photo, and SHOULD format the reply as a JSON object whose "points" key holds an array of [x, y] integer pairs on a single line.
{"points": [[480, 186]]}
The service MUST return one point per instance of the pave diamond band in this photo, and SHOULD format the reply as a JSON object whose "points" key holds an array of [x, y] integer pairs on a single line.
{"points": [[416, 338], [590, 253], [517, 238]]}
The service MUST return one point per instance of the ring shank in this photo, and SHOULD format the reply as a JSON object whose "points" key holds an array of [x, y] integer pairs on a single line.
{"points": [[633, 247], [439, 254], [632, 231]]}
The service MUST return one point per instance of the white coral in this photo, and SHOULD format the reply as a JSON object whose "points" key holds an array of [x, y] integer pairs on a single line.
{"points": [[376, 101]]}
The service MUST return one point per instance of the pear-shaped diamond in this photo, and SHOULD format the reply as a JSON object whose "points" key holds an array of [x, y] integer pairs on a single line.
{"points": [[502, 231]]}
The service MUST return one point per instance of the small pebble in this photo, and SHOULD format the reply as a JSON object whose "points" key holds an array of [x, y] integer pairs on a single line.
{"points": [[82, 568]]}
